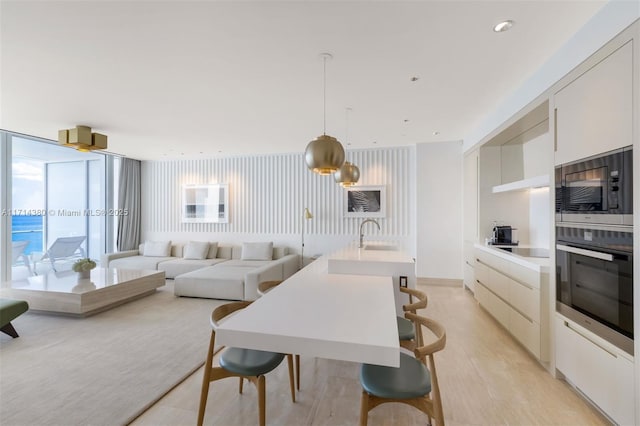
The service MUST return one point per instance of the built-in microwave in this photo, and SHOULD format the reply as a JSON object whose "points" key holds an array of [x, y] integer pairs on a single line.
{"points": [[597, 189]]}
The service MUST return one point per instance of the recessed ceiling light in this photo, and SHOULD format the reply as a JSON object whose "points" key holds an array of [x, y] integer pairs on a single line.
{"points": [[503, 26]]}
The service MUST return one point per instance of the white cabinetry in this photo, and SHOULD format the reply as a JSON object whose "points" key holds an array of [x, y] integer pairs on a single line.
{"points": [[593, 113], [599, 370], [512, 294]]}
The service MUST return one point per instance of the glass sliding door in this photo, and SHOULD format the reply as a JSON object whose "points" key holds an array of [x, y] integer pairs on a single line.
{"points": [[56, 192]]}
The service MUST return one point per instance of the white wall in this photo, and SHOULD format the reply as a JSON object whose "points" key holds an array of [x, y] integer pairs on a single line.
{"points": [[268, 195], [439, 210], [538, 161]]}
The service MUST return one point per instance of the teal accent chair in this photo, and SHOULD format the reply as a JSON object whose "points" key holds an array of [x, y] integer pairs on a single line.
{"points": [[263, 288], [409, 333], [243, 363], [414, 383]]}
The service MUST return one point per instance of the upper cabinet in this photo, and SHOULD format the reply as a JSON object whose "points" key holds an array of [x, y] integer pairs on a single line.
{"points": [[593, 113]]}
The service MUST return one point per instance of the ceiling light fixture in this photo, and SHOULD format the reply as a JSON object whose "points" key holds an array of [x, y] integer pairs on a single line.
{"points": [[325, 154], [82, 139], [503, 26], [349, 173]]}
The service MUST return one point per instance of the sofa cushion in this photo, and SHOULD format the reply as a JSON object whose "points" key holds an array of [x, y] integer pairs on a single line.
{"points": [[224, 252], [213, 251], [257, 251], [216, 282], [157, 248], [197, 250], [175, 267], [279, 252], [139, 262], [246, 263]]}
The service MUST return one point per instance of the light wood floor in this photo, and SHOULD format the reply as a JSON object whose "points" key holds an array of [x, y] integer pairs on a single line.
{"points": [[486, 378]]}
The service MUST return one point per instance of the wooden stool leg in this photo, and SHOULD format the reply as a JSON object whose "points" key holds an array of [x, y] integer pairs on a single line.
{"points": [[261, 400], [291, 384], [240, 385], [206, 379], [364, 408], [298, 372]]}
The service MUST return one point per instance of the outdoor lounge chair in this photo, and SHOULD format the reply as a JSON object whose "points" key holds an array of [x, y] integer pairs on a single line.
{"points": [[63, 248], [18, 254]]}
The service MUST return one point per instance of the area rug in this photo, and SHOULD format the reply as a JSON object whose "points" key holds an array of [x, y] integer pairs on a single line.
{"points": [[105, 369]]}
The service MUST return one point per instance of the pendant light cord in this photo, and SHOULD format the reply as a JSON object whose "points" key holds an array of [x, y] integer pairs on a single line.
{"points": [[324, 96]]}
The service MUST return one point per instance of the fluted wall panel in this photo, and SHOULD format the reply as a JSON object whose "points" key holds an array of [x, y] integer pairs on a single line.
{"points": [[268, 194]]}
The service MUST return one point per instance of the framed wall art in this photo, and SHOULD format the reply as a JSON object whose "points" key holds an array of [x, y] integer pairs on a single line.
{"points": [[365, 201], [205, 203]]}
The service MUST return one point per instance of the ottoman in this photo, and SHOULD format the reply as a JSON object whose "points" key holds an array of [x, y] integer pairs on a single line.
{"points": [[213, 282], [10, 310]]}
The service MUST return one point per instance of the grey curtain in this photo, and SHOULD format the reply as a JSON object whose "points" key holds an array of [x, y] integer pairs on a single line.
{"points": [[129, 200]]}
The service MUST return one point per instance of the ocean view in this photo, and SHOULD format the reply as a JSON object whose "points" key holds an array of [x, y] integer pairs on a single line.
{"points": [[27, 228]]}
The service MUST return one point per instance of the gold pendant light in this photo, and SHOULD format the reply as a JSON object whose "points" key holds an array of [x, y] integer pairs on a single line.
{"points": [[325, 154], [349, 173]]}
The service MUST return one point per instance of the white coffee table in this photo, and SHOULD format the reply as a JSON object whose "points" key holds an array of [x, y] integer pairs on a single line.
{"points": [[64, 293]]}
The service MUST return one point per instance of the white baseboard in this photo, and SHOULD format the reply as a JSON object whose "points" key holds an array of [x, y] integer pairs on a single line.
{"points": [[448, 282]]}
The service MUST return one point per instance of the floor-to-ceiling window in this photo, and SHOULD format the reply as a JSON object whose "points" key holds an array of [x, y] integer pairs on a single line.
{"points": [[55, 192]]}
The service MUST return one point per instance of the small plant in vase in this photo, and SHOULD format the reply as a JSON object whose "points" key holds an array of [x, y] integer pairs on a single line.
{"points": [[83, 267]]}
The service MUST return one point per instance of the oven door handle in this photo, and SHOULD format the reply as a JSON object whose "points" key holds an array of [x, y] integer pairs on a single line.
{"points": [[584, 252]]}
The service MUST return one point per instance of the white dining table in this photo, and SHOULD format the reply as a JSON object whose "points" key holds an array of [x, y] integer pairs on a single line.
{"points": [[314, 313]]}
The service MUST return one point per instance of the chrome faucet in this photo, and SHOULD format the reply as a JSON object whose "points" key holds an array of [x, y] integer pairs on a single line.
{"points": [[362, 232]]}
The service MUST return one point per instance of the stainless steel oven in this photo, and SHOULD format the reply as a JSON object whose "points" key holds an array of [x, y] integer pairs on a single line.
{"points": [[594, 280], [598, 189]]}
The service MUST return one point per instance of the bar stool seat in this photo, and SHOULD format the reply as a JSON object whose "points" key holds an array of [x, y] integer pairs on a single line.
{"points": [[410, 380], [405, 329], [249, 362]]}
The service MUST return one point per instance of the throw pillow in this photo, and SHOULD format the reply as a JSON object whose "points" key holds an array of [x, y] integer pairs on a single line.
{"points": [[213, 251], [196, 250], [257, 251], [157, 248]]}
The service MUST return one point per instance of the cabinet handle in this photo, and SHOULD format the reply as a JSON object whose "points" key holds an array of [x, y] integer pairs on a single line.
{"points": [[555, 130], [566, 324]]}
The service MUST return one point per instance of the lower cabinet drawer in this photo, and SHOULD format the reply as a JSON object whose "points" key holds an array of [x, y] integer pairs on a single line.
{"points": [[493, 304], [481, 272], [527, 332], [482, 295], [598, 370], [525, 299]]}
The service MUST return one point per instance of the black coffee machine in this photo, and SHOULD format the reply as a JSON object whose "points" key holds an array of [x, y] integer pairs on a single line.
{"points": [[503, 235]]}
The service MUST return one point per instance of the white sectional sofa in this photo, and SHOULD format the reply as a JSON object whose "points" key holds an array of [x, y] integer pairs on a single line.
{"points": [[222, 272], [238, 278]]}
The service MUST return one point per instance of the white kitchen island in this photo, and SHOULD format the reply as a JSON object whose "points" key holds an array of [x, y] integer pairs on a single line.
{"points": [[315, 313], [377, 258]]}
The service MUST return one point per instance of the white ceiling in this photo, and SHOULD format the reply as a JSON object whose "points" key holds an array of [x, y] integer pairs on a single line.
{"points": [[203, 79]]}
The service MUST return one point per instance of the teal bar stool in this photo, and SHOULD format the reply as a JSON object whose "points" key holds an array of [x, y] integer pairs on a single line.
{"points": [[243, 363], [409, 333], [414, 383]]}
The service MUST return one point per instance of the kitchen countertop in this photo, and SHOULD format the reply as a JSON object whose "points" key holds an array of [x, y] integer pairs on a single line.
{"points": [[352, 252], [538, 264]]}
